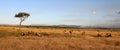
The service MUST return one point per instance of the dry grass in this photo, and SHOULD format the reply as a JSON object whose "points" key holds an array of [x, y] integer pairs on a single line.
{"points": [[57, 39]]}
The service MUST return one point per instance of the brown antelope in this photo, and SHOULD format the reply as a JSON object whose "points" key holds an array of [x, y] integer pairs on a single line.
{"points": [[24, 34], [71, 31], [99, 35], [37, 34], [83, 33], [64, 31], [108, 35]]}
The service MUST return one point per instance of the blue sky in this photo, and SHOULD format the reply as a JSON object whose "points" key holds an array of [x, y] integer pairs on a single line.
{"points": [[70, 12]]}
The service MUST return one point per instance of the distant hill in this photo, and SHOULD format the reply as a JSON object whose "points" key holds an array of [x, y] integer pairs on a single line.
{"points": [[70, 26]]}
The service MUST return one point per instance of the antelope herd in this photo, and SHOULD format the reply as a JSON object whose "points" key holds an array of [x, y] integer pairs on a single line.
{"points": [[31, 33]]}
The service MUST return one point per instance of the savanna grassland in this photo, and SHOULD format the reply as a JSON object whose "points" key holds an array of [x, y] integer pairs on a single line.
{"points": [[50, 38]]}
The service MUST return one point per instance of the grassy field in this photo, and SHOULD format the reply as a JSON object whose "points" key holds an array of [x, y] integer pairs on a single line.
{"points": [[50, 38]]}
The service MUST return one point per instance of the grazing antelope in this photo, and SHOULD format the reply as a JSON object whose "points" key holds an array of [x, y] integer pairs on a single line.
{"points": [[64, 31], [99, 35], [29, 33], [71, 31], [108, 35], [83, 33], [37, 34], [24, 34]]}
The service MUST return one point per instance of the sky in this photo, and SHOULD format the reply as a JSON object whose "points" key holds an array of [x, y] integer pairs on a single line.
{"points": [[69, 12]]}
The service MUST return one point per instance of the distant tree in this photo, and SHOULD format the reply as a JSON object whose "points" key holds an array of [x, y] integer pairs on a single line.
{"points": [[22, 16]]}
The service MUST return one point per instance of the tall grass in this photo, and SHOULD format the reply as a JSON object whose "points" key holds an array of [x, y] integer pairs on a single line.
{"points": [[5, 33]]}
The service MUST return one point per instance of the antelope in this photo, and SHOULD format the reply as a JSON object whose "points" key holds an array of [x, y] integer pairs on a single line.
{"points": [[83, 33], [108, 35], [71, 31], [99, 35]]}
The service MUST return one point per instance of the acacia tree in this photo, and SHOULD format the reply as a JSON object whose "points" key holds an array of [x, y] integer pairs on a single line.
{"points": [[22, 16]]}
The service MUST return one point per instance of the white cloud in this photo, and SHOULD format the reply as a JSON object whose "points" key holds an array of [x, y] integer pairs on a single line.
{"points": [[94, 12]]}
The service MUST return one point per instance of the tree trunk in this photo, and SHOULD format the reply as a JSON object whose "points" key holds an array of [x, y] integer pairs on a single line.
{"points": [[20, 25]]}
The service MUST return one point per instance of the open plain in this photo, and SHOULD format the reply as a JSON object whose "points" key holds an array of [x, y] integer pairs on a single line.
{"points": [[50, 38]]}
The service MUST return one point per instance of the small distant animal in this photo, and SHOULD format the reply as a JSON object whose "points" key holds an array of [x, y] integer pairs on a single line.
{"points": [[24, 34], [108, 35], [99, 35], [37, 34], [29, 33], [83, 33], [64, 31], [71, 31]]}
